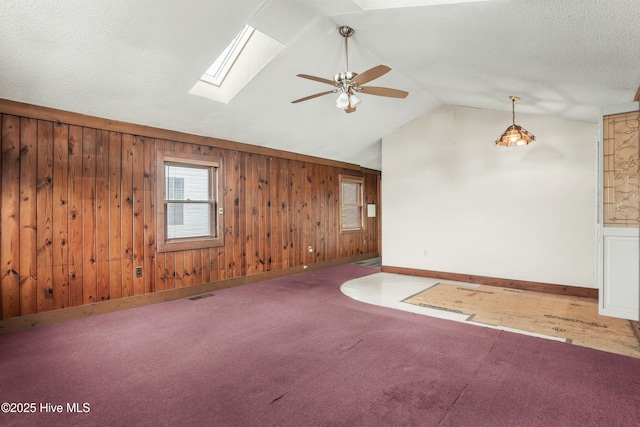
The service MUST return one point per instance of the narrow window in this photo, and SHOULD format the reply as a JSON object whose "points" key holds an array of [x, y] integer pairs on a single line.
{"points": [[351, 205], [189, 208]]}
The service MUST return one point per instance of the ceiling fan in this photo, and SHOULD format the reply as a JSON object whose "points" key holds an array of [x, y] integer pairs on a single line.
{"points": [[349, 83]]}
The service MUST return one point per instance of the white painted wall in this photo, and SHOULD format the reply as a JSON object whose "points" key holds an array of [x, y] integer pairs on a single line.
{"points": [[454, 202]]}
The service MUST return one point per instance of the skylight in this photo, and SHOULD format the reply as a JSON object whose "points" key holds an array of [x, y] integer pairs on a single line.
{"points": [[216, 73], [396, 4], [243, 58]]}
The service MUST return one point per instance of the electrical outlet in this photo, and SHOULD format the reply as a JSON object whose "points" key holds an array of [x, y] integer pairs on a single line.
{"points": [[138, 271]]}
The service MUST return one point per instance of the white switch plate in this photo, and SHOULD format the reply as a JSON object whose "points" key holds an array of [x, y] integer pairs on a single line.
{"points": [[371, 211]]}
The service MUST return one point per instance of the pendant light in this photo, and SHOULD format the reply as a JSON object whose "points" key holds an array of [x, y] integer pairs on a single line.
{"points": [[343, 100], [515, 135]]}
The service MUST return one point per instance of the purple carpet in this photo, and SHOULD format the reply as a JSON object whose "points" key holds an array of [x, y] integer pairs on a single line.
{"points": [[296, 352]]}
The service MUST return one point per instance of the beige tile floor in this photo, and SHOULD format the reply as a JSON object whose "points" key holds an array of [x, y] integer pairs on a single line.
{"points": [[391, 290]]}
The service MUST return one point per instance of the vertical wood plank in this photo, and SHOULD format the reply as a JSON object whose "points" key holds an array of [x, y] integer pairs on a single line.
{"points": [[239, 254], [210, 260], [216, 262], [283, 225], [332, 234], [197, 266], [179, 270], [10, 217], [187, 272], [206, 265], [298, 198], [263, 208], [227, 266], [320, 220], [307, 257], [149, 216], [315, 214], [286, 231], [89, 270], [219, 267], [44, 222], [170, 261], [285, 215], [276, 248], [75, 216], [161, 272], [28, 216], [334, 201], [138, 213], [115, 212], [322, 213], [102, 216], [239, 213], [251, 194], [293, 213], [127, 216], [267, 224], [60, 216], [227, 226]]}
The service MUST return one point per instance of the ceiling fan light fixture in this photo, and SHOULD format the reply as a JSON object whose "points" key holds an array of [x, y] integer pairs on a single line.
{"points": [[347, 83], [343, 100], [354, 100], [515, 135]]}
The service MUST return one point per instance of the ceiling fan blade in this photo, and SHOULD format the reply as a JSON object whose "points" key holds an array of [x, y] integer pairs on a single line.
{"points": [[315, 95], [370, 74], [317, 79], [383, 91]]}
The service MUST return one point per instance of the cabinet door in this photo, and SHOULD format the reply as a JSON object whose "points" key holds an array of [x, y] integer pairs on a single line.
{"points": [[620, 294], [619, 227]]}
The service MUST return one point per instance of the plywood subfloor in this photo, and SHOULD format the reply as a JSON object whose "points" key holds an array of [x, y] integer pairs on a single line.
{"points": [[573, 319]]}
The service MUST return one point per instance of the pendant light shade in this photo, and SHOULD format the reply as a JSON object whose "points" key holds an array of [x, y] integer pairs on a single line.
{"points": [[353, 101], [347, 100], [515, 135], [343, 100]]}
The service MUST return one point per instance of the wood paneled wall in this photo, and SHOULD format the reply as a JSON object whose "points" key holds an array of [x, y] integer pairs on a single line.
{"points": [[78, 213]]}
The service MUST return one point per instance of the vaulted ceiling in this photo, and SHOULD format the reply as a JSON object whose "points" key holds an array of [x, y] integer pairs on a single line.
{"points": [[136, 61]]}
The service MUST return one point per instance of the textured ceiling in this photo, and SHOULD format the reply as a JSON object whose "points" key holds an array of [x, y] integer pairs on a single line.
{"points": [[136, 61]]}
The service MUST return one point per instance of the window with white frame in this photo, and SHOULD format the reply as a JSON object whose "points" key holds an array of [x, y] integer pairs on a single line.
{"points": [[351, 204], [189, 208]]}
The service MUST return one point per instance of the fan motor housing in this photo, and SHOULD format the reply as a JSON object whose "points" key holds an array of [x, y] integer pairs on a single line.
{"points": [[344, 77]]}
